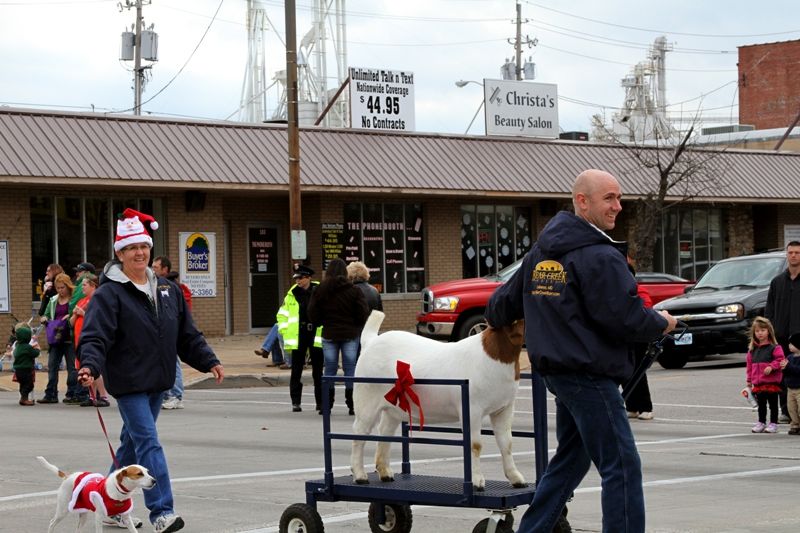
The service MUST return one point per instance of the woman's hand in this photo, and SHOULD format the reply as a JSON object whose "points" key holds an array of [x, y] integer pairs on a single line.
{"points": [[784, 363], [219, 373], [767, 371], [85, 377]]}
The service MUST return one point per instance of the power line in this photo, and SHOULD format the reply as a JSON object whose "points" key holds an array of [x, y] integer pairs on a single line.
{"points": [[672, 69], [202, 38], [577, 34], [709, 35]]}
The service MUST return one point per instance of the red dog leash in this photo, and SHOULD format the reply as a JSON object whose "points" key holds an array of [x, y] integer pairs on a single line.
{"points": [[402, 392], [103, 425]]}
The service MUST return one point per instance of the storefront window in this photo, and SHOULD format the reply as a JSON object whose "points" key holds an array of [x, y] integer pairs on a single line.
{"points": [[690, 242], [68, 231], [388, 239], [492, 237]]}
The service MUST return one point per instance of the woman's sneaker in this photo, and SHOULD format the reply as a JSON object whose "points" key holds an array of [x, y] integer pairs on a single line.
{"points": [[759, 428], [116, 521], [168, 523], [771, 428]]}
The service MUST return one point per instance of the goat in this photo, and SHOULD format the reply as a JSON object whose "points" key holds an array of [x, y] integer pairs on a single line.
{"points": [[491, 363]]}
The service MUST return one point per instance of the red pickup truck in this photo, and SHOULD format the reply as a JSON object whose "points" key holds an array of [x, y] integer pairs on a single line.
{"points": [[453, 310]]}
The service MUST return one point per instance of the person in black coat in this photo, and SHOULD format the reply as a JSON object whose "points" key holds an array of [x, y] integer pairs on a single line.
{"points": [[358, 273], [581, 312], [137, 326], [340, 308]]}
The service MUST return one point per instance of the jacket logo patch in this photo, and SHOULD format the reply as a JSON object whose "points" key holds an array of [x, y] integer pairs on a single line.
{"points": [[548, 278]]}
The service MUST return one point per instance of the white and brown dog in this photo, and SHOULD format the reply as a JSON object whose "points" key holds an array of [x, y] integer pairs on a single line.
{"points": [[85, 492], [491, 363]]}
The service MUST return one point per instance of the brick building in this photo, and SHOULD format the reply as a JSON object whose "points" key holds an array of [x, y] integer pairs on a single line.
{"points": [[769, 84], [416, 208]]}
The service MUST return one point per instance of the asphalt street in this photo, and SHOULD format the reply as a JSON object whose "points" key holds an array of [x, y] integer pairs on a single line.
{"points": [[238, 457]]}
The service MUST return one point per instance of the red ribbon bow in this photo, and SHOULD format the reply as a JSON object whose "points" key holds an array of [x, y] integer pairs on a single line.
{"points": [[402, 392]]}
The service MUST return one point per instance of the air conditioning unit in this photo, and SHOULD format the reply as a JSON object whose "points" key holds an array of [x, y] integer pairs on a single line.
{"points": [[733, 128]]}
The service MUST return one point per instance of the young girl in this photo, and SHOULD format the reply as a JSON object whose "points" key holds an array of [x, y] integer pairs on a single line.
{"points": [[764, 373]]}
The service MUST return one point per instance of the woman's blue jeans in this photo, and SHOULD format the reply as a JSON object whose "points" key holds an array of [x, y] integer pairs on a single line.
{"points": [[273, 343], [349, 350], [139, 445], [55, 353], [592, 427]]}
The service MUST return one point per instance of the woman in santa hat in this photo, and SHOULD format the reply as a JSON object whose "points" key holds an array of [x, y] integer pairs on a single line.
{"points": [[136, 325]]}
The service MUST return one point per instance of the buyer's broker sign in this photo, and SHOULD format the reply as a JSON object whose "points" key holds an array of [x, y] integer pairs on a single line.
{"points": [[521, 108]]}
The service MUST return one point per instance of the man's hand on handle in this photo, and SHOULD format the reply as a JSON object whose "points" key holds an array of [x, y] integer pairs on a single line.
{"points": [[672, 322]]}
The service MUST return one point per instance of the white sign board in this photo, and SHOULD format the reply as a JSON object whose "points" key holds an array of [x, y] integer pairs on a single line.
{"points": [[381, 99], [198, 263], [5, 291], [521, 108], [791, 232]]}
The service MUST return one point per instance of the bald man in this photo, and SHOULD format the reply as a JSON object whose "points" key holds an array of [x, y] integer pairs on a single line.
{"points": [[581, 312]]}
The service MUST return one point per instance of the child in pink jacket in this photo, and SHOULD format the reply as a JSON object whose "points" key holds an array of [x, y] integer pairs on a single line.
{"points": [[764, 373]]}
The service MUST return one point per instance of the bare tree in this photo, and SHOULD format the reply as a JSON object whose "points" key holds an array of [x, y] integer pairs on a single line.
{"points": [[675, 172]]}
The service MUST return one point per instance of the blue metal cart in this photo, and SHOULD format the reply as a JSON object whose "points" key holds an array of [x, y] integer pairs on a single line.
{"points": [[390, 502]]}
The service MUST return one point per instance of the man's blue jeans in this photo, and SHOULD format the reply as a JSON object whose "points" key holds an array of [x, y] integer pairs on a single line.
{"points": [[139, 445], [592, 427], [349, 349], [273, 343]]}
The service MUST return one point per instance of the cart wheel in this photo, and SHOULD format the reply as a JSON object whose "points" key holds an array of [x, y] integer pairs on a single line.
{"points": [[504, 526], [301, 518], [398, 518]]}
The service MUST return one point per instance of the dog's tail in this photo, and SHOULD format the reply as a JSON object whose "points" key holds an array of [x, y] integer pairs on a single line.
{"points": [[371, 328], [53, 468]]}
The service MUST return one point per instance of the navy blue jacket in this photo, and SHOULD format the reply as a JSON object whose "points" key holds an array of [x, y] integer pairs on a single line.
{"points": [[791, 374], [133, 343], [579, 302]]}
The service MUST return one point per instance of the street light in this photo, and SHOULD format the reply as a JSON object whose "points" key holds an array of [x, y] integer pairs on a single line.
{"points": [[463, 83]]}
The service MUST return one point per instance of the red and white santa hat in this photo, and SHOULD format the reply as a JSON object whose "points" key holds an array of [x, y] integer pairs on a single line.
{"points": [[131, 230]]}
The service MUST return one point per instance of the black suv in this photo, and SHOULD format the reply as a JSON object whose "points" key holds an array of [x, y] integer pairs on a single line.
{"points": [[720, 307]]}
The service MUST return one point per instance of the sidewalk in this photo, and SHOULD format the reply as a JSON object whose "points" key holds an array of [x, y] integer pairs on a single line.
{"points": [[243, 368]]}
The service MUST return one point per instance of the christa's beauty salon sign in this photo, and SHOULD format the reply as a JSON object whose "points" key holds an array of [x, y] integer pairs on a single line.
{"points": [[198, 263]]}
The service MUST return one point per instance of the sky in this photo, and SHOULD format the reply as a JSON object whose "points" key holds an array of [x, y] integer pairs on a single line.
{"points": [[63, 54]]}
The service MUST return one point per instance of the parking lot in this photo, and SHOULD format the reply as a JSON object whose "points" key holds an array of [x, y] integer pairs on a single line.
{"points": [[239, 457]]}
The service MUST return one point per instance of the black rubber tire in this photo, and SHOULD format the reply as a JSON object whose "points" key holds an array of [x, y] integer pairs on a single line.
{"points": [[398, 518], [504, 526], [673, 359], [471, 326], [301, 518]]}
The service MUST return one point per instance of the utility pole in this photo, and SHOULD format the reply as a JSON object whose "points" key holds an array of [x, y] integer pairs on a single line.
{"points": [[298, 250], [518, 44], [138, 73], [138, 45], [516, 69]]}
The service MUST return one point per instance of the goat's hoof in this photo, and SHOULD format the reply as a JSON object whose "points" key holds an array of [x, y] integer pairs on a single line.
{"points": [[519, 485], [362, 481], [386, 479]]}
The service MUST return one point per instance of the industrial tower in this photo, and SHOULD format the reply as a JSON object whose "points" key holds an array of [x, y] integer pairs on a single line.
{"points": [[328, 26], [644, 111], [254, 88]]}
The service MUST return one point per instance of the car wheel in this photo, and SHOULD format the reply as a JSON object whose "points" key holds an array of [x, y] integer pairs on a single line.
{"points": [[673, 359], [472, 326]]}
